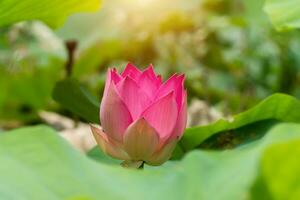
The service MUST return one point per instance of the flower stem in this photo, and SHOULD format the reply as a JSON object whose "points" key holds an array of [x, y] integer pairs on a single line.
{"points": [[133, 164], [142, 165], [71, 47]]}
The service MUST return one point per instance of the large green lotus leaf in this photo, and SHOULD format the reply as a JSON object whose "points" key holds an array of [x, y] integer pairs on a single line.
{"points": [[278, 107], [97, 154], [74, 97], [284, 14], [52, 12], [280, 169], [36, 163]]}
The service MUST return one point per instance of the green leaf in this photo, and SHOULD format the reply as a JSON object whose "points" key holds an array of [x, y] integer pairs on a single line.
{"points": [[52, 12], [254, 12], [72, 96], [39, 164], [282, 178], [284, 14], [276, 107], [98, 155]]}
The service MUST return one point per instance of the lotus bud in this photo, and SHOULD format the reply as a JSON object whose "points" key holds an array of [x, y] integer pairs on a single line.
{"points": [[142, 117]]}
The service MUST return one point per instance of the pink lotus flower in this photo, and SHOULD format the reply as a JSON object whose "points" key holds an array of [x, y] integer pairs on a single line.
{"points": [[142, 117]]}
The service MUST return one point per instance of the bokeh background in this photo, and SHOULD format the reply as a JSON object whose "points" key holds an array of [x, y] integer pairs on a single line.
{"points": [[228, 49]]}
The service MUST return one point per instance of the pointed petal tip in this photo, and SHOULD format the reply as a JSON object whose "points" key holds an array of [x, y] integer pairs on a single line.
{"points": [[131, 66], [94, 128], [150, 66], [170, 79], [171, 94], [114, 69], [181, 76], [115, 77], [131, 70], [150, 72], [130, 79]]}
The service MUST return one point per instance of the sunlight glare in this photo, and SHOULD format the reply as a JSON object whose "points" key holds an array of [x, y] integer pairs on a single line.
{"points": [[141, 3]]}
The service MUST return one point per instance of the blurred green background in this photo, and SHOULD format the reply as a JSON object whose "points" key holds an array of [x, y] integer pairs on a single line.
{"points": [[228, 49]]}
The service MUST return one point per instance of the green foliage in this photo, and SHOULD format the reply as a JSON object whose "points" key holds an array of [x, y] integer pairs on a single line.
{"points": [[232, 59], [282, 179], [48, 168], [31, 62], [52, 12], [276, 107], [97, 55], [231, 55], [96, 154], [74, 97], [284, 14], [25, 91]]}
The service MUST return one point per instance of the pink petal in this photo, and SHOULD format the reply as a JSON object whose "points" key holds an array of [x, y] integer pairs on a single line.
{"points": [[131, 71], [150, 72], [174, 83], [133, 96], [159, 79], [179, 90], [108, 145], [162, 115], [167, 86], [112, 76], [149, 82], [163, 154], [115, 76], [140, 140], [114, 115], [181, 120]]}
